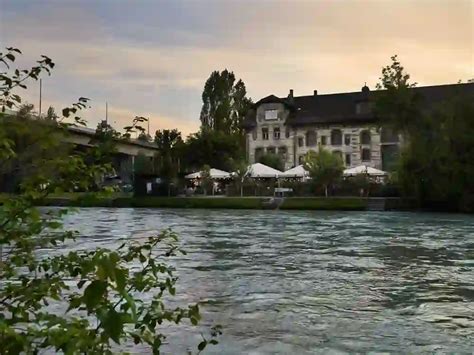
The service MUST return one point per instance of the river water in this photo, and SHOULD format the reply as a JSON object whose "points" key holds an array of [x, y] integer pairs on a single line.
{"points": [[312, 282]]}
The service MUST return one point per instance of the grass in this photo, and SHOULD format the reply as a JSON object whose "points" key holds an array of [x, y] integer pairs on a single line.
{"points": [[321, 203], [190, 202], [305, 203]]}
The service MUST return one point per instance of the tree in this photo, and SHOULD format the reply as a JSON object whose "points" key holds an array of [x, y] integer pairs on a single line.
{"points": [[213, 148], [144, 137], [397, 104], [206, 181], [167, 140], [272, 160], [225, 104], [34, 141], [436, 160], [239, 170], [170, 144], [97, 288], [51, 114], [323, 167]]}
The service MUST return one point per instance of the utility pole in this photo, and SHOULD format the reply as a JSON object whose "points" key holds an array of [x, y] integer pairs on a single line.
{"points": [[106, 112], [148, 120], [41, 85]]}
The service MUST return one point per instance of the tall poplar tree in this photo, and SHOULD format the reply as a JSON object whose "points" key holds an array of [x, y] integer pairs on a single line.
{"points": [[225, 103]]}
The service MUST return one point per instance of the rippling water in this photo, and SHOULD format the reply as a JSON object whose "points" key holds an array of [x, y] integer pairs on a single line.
{"points": [[313, 282]]}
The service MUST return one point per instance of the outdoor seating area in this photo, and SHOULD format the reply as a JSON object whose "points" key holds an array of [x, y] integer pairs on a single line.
{"points": [[263, 180]]}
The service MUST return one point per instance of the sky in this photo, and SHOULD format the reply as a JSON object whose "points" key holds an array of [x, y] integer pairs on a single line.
{"points": [[152, 58]]}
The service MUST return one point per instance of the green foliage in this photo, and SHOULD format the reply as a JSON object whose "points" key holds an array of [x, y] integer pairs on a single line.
{"points": [[95, 295], [397, 104], [136, 127], [206, 182], [190, 202], [143, 165], [312, 203], [272, 160], [51, 115], [239, 170], [361, 181], [171, 147], [436, 159], [224, 103], [214, 148], [324, 167]]}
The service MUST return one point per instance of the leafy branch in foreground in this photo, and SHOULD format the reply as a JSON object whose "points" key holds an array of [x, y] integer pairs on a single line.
{"points": [[84, 301]]}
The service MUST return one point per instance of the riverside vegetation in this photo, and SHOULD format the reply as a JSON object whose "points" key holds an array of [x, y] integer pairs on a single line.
{"points": [[99, 290]]}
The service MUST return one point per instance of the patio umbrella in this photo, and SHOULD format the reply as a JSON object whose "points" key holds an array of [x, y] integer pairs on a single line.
{"points": [[364, 169], [259, 170], [296, 172], [214, 174]]}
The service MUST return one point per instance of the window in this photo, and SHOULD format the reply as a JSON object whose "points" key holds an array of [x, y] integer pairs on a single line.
{"points": [[337, 153], [347, 139], [365, 137], [254, 134], [282, 150], [301, 159], [276, 133], [336, 137], [265, 134], [311, 138], [365, 154], [348, 160], [323, 140], [271, 150], [287, 133], [362, 108], [258, 153], [300, 141], [271, 115]]}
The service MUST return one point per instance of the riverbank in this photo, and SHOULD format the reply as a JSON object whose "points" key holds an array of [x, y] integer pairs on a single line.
{"points": [[293, 203]]}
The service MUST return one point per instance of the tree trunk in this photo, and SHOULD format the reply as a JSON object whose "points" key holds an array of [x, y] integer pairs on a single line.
{"points": [[326, 190]]}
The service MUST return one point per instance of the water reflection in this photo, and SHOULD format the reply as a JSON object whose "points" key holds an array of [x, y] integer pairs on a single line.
{"points": [[314, 282]]}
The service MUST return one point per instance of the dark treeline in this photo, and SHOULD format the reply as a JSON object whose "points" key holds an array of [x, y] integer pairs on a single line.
{"points": [[436, 164]]}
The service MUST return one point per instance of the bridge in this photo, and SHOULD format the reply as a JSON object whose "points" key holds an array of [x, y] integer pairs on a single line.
{"points": [[126, 150]]}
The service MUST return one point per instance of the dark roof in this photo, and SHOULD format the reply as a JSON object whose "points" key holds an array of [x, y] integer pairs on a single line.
{"points": [[341, 108]]}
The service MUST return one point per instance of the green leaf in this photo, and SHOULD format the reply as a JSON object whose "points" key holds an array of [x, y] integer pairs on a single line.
{"points": [[113, 325], [120, 279], [202, 345], [94, 293]]}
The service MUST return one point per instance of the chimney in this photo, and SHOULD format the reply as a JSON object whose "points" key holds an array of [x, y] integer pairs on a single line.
{"points": [[315, 92], [291, 93]]}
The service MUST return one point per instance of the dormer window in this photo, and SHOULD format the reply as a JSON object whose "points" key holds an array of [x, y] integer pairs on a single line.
{"points": [[271, 115], [362, 108]]}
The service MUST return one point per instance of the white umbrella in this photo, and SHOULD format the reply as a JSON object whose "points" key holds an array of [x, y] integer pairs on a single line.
{"points": [[296, 172], [364, 169], [214, 174], [259, 170]]}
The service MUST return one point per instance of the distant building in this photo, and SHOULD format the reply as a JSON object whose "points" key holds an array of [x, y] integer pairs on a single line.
{"points": [[343, 123]]}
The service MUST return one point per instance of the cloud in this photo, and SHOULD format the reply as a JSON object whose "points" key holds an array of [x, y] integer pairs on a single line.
{"points": [[152, 58]]}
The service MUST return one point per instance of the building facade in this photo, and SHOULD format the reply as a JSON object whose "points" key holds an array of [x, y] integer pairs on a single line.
{"points": [[344, 124]]}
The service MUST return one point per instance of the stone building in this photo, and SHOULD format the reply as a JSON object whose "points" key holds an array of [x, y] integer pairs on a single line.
{"points": [[343, 123]]}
